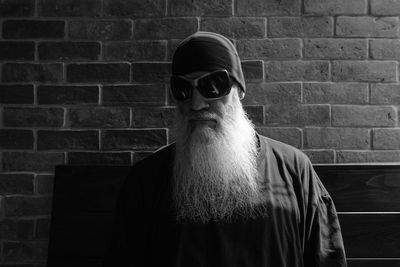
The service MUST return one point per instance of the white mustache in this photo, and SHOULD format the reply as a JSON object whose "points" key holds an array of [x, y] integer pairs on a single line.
{"points": [[203, 116]]}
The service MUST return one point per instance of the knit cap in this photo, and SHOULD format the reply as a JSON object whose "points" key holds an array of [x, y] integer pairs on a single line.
{"points": [[207, 51]]}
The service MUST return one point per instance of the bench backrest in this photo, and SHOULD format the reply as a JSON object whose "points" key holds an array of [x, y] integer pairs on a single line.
{"points": [[367, 198], [84, 198]]}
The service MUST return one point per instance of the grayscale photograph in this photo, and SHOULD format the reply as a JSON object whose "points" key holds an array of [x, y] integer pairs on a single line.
{"points": [[199, 133]]}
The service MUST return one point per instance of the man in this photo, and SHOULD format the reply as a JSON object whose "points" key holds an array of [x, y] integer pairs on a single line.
{"points": [[222, 195]]}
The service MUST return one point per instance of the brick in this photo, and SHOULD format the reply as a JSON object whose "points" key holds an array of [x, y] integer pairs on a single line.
{"points": [[200, 8], [151, 72], [291, 136], [99, 158], [69, 50], [101, 30], [161, 117], [332, 48], [133, 139], [99, 117], [21, 265], [267, 7], [135, 50], [16, 139], [44, 184], [320, 156], [27, 205], [288, 48], [43, 228], [16, 229], [337, 138], [164, 28], [134, 8], [253, 70], [17, 8], [300, 26], [363, 116], [16, 183], [385, 7], [385, 49], [335, 93], [367, 26], [67, 139], [10, 50], [385, 94], [69, 8], [16, 94], [31, 161], [297, 70], [364, 71], [138, 156], [297, 115], [234, 27], [32, 72], [272, 93], [98, 72], [24, 251], [33, 29], [388, 139], [128, 95], [255, 114], [67, 95], [367, 156], [335, 7], [33, 117]]}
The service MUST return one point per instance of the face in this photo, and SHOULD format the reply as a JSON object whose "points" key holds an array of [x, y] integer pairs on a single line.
{"points": [[201, 113]]}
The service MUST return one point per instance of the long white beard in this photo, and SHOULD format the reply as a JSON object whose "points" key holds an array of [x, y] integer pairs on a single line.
{"points": [[215, 170]]}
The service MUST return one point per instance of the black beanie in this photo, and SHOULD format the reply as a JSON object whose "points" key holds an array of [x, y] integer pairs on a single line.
{"points": [[207, 51]]}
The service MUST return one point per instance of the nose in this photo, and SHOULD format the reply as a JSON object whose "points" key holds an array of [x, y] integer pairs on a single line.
{"points": [[198, 102]]}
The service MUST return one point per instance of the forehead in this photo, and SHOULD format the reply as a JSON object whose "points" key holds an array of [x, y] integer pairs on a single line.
{"points": [[196, 74]]}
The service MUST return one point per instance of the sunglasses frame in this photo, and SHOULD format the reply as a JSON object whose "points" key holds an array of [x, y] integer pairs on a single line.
{"points": [[194, 84]]}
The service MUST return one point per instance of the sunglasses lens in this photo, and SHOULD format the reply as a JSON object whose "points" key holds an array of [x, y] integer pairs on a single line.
{"points": [[210, 86], [180, 88], [215, 85]]}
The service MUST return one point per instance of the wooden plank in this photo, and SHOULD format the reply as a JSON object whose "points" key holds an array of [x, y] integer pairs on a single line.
{"points": [[362, 188], [87, 188], [373, 263], [371, 235]]}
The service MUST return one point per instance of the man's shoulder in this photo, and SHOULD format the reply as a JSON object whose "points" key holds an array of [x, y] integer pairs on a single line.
{"points": [[291, 163], [284, 152]]}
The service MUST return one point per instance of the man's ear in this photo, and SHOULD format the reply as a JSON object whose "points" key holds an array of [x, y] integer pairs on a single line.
{"points": [[240, 93]]}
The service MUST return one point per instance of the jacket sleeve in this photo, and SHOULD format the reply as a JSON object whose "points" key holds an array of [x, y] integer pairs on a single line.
{"points": [[323, 244]]}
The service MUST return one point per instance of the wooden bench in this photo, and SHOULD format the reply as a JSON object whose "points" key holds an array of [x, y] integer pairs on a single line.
{"points": [[367, 198]]}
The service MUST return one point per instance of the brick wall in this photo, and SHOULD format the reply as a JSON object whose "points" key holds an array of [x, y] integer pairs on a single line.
{"points": [[85, 82]]}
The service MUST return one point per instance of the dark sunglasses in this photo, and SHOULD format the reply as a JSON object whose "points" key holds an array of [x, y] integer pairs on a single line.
{"points": [[211, 85]]}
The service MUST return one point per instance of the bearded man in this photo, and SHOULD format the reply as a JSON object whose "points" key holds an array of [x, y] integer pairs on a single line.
{"points": [[222, 195]]}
